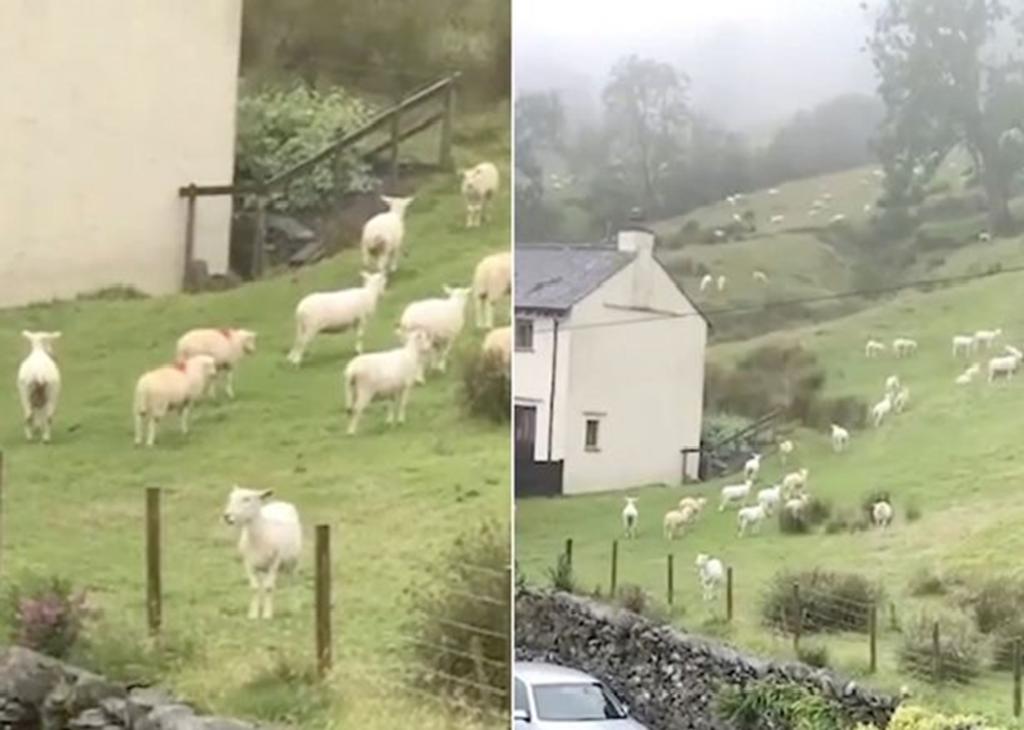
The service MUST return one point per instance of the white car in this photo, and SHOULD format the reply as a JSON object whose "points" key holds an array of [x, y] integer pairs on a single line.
{"points": [[549, 696]]}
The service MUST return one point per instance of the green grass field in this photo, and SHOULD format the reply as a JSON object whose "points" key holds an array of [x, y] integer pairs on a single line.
{"points": [[395, 499], [955, 454]]}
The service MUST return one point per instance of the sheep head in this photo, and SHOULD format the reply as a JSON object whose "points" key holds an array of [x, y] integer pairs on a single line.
{"points": [[244, 505]]}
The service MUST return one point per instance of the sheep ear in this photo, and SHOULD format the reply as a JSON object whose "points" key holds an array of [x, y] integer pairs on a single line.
{"points": [[55, 335], [27, 335], [266, 493], [447, 289]]}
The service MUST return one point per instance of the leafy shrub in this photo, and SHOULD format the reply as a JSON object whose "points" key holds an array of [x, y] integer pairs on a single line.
{"points": [[1003, 639], [126, 653], [486, 386], [775, 704], [277, 128], [960, 649], [828, 601], [462, 610], [848, 410], [287, 691], [910, 717], [45, 614], [996, 602], [814, 655], [926, 582], [561, 576], [814, 513], [636, 599]]}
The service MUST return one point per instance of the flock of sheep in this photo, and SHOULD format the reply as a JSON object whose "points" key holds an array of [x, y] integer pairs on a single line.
{"points": [[271, 533]]}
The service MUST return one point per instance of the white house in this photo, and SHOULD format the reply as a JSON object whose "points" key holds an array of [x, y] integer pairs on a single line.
{"points": [[608, 370], [109, 107]]}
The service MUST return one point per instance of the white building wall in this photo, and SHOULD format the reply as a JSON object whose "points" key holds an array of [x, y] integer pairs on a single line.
{"points": [[532, 384], [109, 107], [645, 379]]}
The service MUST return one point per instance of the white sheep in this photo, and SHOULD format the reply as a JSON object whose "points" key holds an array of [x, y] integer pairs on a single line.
{"points": [[880, 410], [985, 237], [719, 234], [39, 384], [721, 282], [840, 438], [734, 494], [837, 218], [769, 498], [270, 542], [696, 504], [711, 573], [873, 348], [968, 375], [731, 199], [706, 281], [498, 343], [750, 518], [737, 218], [176, 387], [892, 384], [795, 480], [760, 277], [384, 235], [391, 374], [779, 218], [901, 400], [440, 319], [1005, 365], [752, 466], [867, 207], [785, 449], [795, 505], [336, 311], [904, 346], [630, 517], [986, 337], [773, 191], [227, 347], [479, 186], [492, 281], [881, 514], [963, 344], [674, 522]]}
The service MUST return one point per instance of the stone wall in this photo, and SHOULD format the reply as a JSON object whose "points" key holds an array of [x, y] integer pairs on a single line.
{"points": [[40, 693], [667, 677]]}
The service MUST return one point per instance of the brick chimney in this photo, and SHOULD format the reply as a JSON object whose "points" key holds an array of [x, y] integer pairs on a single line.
{"points": [[638, 239]]}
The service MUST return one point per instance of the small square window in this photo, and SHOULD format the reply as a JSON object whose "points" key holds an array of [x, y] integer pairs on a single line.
{"points": [[524, 334], [593, 430]]}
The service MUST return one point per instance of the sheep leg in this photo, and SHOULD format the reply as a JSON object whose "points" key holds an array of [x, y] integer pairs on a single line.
{"points": [[360, 403], [229, 382], [392, 405], [360, 330], [442, 363], [302, 339], [478, 311], [403, 400], [269, 581], [26, 407], [151, 434], [254, 585], [139, 425], [184, 419]]}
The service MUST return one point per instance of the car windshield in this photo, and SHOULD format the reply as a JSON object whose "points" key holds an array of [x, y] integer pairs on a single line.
{"points": [[576, 702]]}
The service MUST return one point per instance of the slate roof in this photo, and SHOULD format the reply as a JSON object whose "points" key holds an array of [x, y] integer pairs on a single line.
{"points": [[556, 276]]}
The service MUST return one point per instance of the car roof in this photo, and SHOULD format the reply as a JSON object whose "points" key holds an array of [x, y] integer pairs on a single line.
{"points": [[545, 673]]}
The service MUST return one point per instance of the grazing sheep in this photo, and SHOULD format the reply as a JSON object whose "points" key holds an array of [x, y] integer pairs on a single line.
{"points": [[892, 384], [721, 282], [967, 375], [674, 522], [440, 319], [760, 277], [384, 235], [881, 514], [735, 494], [39, 384], [479, 186], [795, 505], [840, 438], [904, 347], [227, 347], [750, 518], [773, 191], [777, 218], [752, 467], [785, 449], [986, 337], [769, 498], [630, 517], [794, 481], [880, 410], [873, 348], [498, 343], [390, 374], [492, 281], [867, 207], [336, 311], [901, 400], [711, 573], [1005, 365], [692, 503], [963, 344], [737, 218], [985, 237], [1011, 350], [731, 199], [719, 234], [169, 388], [270, 542], [837, 218], [706, 281]]}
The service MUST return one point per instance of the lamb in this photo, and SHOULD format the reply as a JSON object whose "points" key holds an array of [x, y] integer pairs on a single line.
{"points": [[498, 343], [773, 191], [336, 311], [840, 438], [795, 505], [986, 337], [734, 494], [963, 344], [873, 348], [694, 504], [630, 517], [384, 234], [270, 541], [760, 277], [881, 514], [785, 449], [492, 280], [901, 400], [737, 218], [227, 347], [479, 186], [750, 518], [674, 522], [711, 574], [777, 218], [39, 384], [1005, 365], [794, 481], [769, 498], [880, 410], [440, 319], [721, 282], [752, 467], [892, 384], [985, 237], [169, 388], [731, 199], [967, 375], [904, 346], [390, 374], [837, 218], [719, 234], [706, 281]]}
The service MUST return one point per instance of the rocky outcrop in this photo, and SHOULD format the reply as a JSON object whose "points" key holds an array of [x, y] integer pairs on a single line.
{"points": [[668, 678], [41, 693]]}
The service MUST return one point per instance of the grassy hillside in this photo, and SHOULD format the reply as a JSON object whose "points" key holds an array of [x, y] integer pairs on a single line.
{"points": [[955, 454], [395, 498]]}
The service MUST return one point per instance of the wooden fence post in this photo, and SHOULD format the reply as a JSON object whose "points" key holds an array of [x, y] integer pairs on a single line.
{"points": [[396, 118], [154, 608], [936, 655], [799, 618], [259, 236], [445, 152], [671, 591], [615, 566], [323, 599], [1016, 678], [873, 639], [568, 551], [728, 593], [190, 236]]}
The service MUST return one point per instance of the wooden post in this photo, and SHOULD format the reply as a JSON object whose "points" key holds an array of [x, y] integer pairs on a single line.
{"points": [[873, 639], [154, 609], [728, 593], [671, 592], [1016, 678], [445, 153], [798, 619], [190, 236], [259, 236], [615, 566], [323, 599], [396, 118], [568, 551], [936, 655]]}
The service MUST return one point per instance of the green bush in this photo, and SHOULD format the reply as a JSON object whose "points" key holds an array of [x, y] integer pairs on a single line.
{"points": [[487, 386], [910, 717], [828, 601], [814, 513], [278, 128], [45, 614], [926, 582], [561, 575], [995, 602], [778, 705], [960, 647], [635, 599], [814, 655]]}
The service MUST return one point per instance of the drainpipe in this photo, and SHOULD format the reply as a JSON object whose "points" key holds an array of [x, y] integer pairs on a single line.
{"points": [[551, 400]]}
